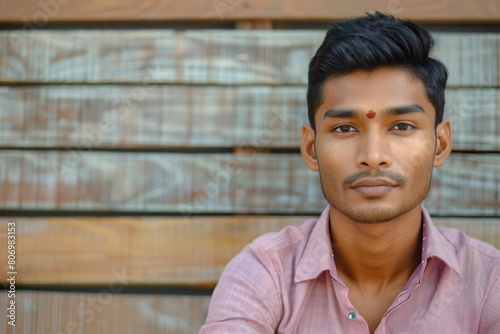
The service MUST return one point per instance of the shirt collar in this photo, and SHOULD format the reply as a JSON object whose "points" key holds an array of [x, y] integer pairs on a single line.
{"points": [[318, 255], [434, 244]]}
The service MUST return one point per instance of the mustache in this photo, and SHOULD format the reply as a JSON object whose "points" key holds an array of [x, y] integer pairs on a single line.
{"points": [[396, 177]]}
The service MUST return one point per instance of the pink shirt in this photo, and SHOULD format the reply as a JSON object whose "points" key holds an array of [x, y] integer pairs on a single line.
{"points": [[286, 282]]}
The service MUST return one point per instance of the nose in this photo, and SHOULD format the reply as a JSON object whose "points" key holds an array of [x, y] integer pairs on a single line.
{"points": [[373, 151]]}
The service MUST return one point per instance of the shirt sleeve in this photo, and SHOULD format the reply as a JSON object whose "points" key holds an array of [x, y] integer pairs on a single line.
{"points": [[246, 298], [490, 318]]}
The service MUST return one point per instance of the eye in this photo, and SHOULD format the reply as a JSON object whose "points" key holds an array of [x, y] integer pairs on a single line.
{"points": [[344, 128], [402, 127]]}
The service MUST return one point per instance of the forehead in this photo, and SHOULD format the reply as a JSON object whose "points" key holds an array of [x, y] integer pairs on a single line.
{"points": [[375, 90]]}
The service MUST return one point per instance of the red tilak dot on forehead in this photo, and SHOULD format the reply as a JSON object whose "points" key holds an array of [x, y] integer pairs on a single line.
{"points": [[371, 114]]}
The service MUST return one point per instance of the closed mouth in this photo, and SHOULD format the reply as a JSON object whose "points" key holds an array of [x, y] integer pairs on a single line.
{"points": [[373, 182]]}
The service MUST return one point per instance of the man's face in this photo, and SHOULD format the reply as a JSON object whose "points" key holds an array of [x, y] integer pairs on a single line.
{"points": [[375, 144]]}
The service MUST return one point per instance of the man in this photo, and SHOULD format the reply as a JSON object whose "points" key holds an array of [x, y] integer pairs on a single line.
{"points": [[373, 262]]}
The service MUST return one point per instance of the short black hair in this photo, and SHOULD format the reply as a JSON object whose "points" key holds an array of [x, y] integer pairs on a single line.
{"points": [[374, 41]]}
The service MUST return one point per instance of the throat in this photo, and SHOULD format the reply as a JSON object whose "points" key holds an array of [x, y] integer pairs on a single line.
{"points": [[377, 254], [374, 279], [382, 267]]}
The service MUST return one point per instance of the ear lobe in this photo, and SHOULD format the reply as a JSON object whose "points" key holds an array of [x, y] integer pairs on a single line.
{"points": [[307, 148], [443, 143]]}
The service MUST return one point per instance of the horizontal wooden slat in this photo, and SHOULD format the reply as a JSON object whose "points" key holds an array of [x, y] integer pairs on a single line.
{"points": [[152, 250], [154, 56], [147, 250], [475, 118], [39, 12], [181, 116], [164, 116], [207, 56], [468, 184], [103, 313], [182, 183]]}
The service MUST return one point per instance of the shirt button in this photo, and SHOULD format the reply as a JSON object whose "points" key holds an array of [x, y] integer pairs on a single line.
{"points": [[352, 316]]}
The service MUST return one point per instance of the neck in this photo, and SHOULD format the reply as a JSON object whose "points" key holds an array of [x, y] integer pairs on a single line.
{"points": [[379, 253]]}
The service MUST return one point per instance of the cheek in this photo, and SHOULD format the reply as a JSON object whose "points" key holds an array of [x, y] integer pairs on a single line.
{"points": [[330, 155], [417, 165], [333, 164], [420, 155]]}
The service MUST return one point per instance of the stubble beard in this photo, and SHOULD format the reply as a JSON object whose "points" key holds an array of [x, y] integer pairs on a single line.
{"points": [[378, 215]]}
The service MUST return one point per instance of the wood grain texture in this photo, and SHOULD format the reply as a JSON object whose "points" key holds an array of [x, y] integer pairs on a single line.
{"points": [[39, 12], [189, 184], [103, 313], [164, 116], [146, 250], [157, 56], [181, 183], [273, 57], [199, 116], [153, 250]]}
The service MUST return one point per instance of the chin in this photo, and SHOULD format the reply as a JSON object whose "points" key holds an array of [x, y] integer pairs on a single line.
{"points": [[374, 214]]}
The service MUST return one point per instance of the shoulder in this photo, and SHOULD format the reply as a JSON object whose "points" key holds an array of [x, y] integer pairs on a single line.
{"points": [[464, 243], [275, 252], [289, 239], [476, 257], [259, 268], [480, 273]]}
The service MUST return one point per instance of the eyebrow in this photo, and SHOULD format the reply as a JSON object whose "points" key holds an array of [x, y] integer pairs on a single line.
{"points": [[392, 111], [405, 109], [342, 113]]}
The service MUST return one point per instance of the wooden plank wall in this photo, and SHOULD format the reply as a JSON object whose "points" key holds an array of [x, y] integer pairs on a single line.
{"points": [[158, 10], [136, 162]]}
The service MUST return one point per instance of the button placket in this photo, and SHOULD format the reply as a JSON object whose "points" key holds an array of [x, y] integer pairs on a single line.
{"points": [[351, 315]]}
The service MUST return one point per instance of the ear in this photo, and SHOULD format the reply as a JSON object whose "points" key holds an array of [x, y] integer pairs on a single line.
{"points": [[307, 147], [443, 143]]}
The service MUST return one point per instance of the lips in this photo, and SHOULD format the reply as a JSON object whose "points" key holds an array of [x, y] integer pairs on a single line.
{"points": [[373, 182], [373, 187]]}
